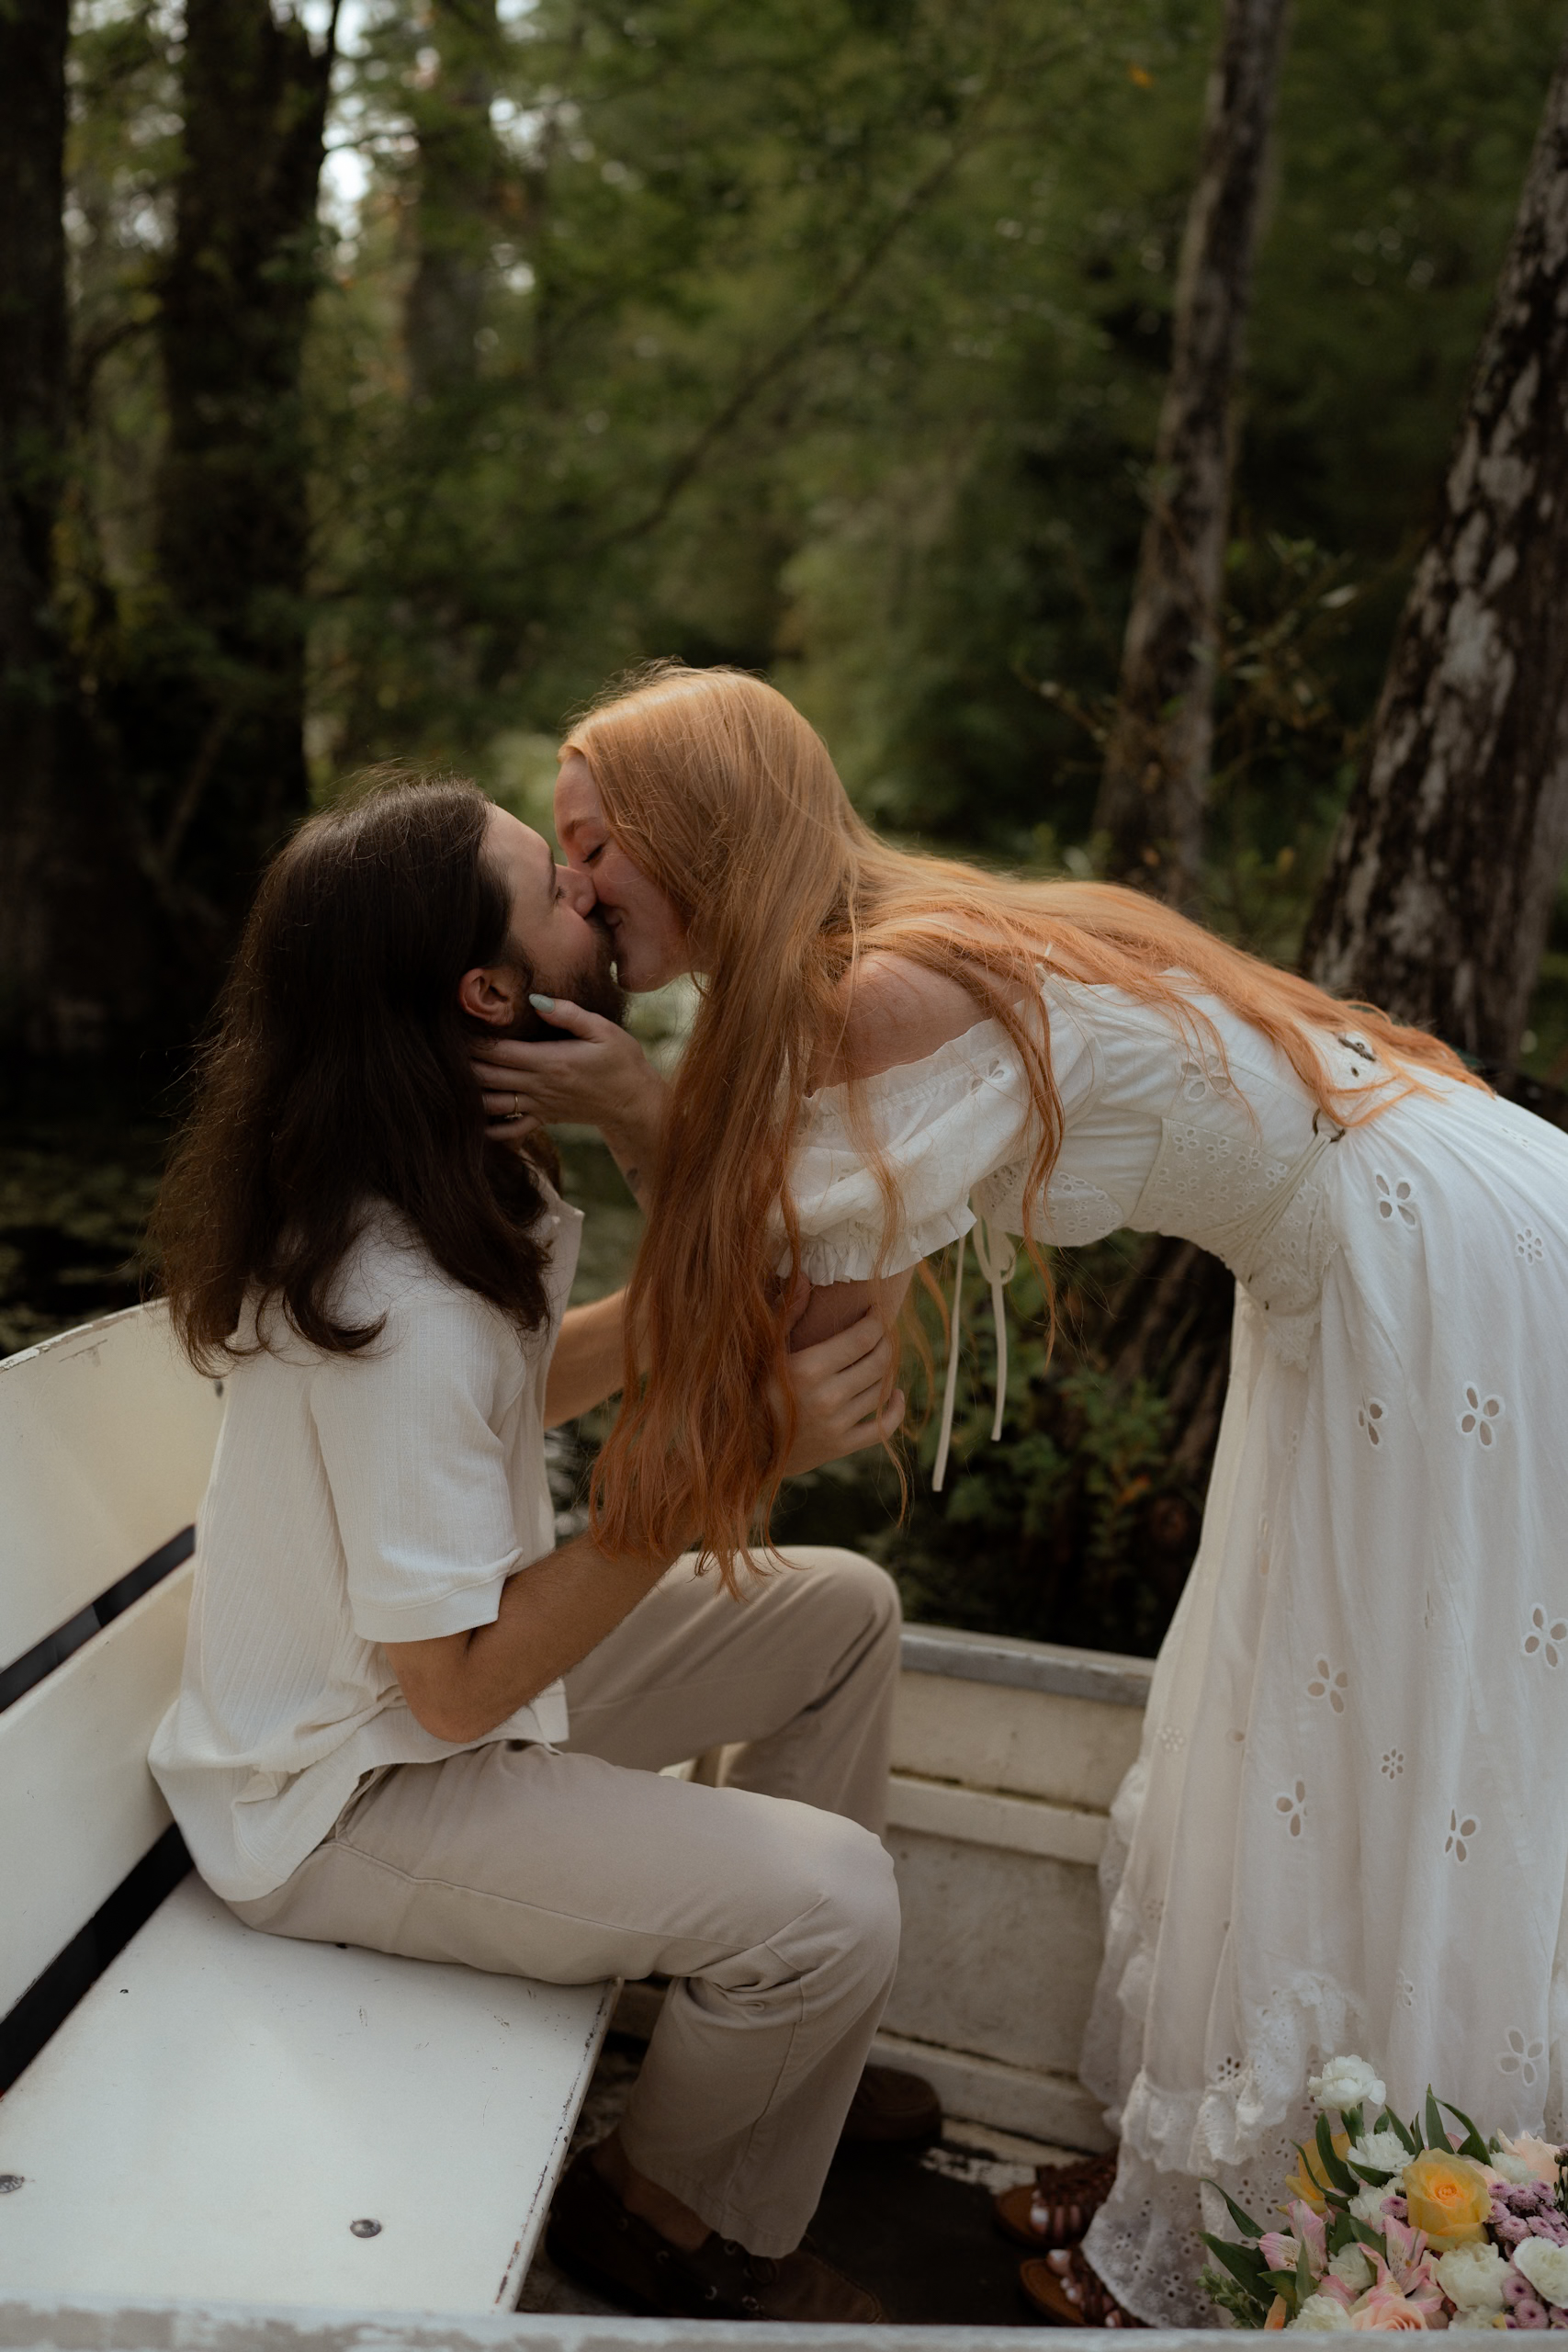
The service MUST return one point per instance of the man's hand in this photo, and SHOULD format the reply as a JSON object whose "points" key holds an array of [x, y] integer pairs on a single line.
{"points": [[599, 1075], [840, 1388]]}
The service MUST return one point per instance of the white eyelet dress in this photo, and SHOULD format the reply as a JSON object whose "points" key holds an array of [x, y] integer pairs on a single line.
{"points": [[1347, 1827]]}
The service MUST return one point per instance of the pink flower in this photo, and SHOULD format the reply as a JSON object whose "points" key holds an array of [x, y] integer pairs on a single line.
{"points": [[1538, 2157], [1384, 2307], [1311, 2232]]}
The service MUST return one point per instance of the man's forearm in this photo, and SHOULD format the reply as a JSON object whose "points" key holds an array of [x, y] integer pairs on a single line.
{"points": [[552, 1614]]}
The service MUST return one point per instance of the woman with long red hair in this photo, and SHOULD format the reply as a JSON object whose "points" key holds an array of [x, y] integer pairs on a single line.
{"points": [[1341, 1831]]}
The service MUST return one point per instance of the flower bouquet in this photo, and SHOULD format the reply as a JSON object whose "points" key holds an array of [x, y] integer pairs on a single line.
{"points": [[1403, 2225]]}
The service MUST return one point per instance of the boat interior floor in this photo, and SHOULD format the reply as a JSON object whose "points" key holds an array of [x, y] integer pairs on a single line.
{"points": [[915, 2225]]}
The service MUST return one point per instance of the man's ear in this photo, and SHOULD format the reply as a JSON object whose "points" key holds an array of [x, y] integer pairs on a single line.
{"points": [[490, 993]]}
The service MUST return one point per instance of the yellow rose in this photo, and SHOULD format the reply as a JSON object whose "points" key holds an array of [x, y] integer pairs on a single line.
{"points": [[1308, 2180], [1449, 2198]]}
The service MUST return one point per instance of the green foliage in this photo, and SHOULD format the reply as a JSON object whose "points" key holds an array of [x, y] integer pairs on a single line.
{"points": [[1073, 1529]]}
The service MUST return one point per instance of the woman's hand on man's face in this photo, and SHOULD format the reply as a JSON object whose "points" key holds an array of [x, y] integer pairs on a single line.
{"points": [[840, 1387], [596, 1074]]}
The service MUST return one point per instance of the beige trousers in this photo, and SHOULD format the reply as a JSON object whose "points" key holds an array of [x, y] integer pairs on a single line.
{"points": [[771, 1900]]}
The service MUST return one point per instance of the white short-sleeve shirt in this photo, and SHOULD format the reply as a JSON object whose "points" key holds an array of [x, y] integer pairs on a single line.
{"points": [[383, 1497]]}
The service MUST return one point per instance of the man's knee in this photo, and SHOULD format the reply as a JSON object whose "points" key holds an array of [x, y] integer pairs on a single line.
{"points": [[855, 1913], [858, 1587]]}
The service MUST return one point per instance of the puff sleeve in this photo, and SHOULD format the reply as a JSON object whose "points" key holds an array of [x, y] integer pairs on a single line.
{"points": [[944, 1125]]}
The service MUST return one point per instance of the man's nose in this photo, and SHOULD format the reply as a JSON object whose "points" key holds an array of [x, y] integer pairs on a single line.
{"points": [[577, 889]]}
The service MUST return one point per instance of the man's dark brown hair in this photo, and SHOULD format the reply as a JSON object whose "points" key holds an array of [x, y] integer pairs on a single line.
{"points": [[337, 1075]]}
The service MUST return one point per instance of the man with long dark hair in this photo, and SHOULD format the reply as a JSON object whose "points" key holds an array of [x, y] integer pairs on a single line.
{"points": [[409, 1721]]}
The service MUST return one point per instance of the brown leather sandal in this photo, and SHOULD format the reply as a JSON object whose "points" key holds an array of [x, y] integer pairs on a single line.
{"points": [[1065, 2293], [1056, 2208]]}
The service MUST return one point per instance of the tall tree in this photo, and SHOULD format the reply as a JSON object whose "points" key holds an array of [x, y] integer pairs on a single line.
{"points": [[32, 441], [1439, 885], [1438, 889], [69, 947], [214, 722], [1157, 767], [457, 175]]}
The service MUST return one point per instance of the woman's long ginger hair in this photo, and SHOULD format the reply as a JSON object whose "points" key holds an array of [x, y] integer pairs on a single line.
{"points": [[727, 798]]}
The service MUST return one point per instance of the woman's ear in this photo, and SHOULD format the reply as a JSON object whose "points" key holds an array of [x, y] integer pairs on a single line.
{"points": [[490, 993]]}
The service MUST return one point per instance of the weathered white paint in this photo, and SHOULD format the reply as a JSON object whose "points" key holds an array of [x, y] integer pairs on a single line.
{"points": [[104, 2323], [106, 1437], [1012, 1825], [1036, 1744], [78, 1807], [223, 2104]]}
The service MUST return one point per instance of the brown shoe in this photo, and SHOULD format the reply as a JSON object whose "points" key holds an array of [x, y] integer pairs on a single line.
{"points": [[892, 2108], [592, 2237]]}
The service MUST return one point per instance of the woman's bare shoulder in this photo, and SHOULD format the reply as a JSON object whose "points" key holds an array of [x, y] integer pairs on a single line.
{"points": [[895, 1010]]}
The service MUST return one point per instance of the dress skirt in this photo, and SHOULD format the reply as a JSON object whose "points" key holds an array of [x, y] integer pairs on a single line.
{"points": [[1347, 1827]]}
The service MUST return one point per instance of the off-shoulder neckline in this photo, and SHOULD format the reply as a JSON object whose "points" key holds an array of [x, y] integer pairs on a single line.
{"points": [[907, 1078]]}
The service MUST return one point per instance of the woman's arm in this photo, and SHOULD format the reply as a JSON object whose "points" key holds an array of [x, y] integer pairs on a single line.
{"points": [[595, 1074], [895, 1010]]}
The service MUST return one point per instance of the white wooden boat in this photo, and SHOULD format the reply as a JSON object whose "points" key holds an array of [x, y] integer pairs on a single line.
{"points": [[203, 2125]]}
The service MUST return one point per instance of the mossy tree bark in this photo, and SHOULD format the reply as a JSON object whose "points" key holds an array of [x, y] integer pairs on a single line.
{"points": [[1157, 770], [54, 922], [1439, 885], [213, 719]]}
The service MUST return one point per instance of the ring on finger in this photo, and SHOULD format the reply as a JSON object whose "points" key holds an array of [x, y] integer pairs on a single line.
{"points": [[517, 1106]]}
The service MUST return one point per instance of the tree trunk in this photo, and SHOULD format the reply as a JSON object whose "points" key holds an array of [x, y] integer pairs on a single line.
{"points": [[1439, 885], [69, 892], [32, 437], [215, 728], [1157, 768], [457, 201], [1438, 890]]}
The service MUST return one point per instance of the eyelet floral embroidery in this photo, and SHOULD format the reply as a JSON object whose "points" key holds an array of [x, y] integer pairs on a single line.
{"points": [[1547, 1637], [1228, 2071], [1326, 1684], [1393, 1763], [1292, 1805], [1528, 1245], [1522, 2058], [1481, 1416], [1172, 1738], [1370, 1417], [1404, 1991], [1394, 1200], [1463, 1828]]}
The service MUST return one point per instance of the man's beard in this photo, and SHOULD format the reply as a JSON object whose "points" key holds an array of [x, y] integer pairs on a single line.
{"points": [[593, 986]]}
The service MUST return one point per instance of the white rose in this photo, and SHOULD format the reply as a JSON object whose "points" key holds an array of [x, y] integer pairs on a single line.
{"points": [[1367, 2206], [1321, 2315], [1471, 2276], [1546, 2268], [1352, 2269], [1345, 2082], [1381, 2152]]}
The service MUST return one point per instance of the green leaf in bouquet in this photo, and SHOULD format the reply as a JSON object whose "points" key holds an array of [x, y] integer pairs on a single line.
{"points": [[1351, 2119], [1306, 2283], [1247, 2309], [1373, 2175], [1408, 2139], [1335, 2170], [1436, 2135], [1367, 2235], [1244, 2262], [1472, 2145], [1243, 2221]]}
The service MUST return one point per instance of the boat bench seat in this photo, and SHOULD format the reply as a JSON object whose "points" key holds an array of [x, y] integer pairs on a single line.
{"points": [[192, 2110]]}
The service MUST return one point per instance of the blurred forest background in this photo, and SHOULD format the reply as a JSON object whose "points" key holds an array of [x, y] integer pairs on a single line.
{"points": [[419, 364]]}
